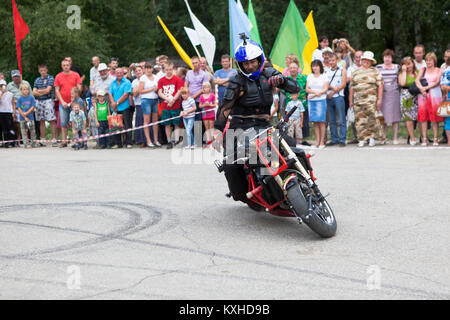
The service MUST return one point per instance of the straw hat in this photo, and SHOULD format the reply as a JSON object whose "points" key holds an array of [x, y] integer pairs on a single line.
{"points": [[368, 55]]}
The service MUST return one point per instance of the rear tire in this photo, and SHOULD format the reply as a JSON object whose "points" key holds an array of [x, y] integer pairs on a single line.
{"points": [[321, 220]]}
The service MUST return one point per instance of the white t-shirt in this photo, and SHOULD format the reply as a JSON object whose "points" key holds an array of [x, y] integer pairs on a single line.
{"points": [[420, 66], [159, 76], [187, 105], [94, 74], [337, 80], [137, 99], [317, 84], [317, 55], [275, 99], [148, 84], [350, 71], [6, 105]]}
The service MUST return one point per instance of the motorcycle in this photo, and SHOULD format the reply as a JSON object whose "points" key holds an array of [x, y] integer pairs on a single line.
{"points": [[280, 178]]}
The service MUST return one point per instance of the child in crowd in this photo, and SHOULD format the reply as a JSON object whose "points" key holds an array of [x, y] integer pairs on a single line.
{"points": [[78, 120], [26, 105], [90, 104], [208, 105], [75, 97], [273, 118], [7, 109], [296, 119], [188, 114], [101, 112]]}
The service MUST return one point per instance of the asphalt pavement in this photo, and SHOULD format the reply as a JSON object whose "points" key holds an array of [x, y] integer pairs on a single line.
{"points": [[155, 224]]}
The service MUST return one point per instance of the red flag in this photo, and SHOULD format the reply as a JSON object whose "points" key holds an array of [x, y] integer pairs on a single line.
{"points": [[21, 30]]}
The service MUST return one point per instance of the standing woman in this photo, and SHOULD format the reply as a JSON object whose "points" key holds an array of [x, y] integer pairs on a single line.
{"points": [[148, 88], [430, 98], [348, 53], [317, 87], [139, 137], [390, 106], [317, 54], [366, 94], [408, 102]]}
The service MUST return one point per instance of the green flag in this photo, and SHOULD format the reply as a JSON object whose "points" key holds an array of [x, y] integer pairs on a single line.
{"points": [[291, 38], [254, 32]]}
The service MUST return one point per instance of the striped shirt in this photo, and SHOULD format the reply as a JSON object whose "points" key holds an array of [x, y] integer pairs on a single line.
{"points": [[42, 83], [390, 76]]}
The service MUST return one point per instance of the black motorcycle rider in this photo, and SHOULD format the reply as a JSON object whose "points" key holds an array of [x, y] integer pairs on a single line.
{"points": [[248, 99]]}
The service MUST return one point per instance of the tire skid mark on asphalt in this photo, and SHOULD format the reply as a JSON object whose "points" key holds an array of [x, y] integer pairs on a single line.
{"points": [[163, 272], [129, 231], [64, 284], [133, 224], [416, 292]]}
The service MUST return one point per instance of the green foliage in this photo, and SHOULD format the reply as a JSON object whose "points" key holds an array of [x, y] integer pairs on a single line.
{"points": [[129, 30]]}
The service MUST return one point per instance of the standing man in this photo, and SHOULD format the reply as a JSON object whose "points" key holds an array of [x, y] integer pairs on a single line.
{"points": [[64, 82], [103, 82], [44, 93], [169, 90], [337, 78], [326, 58], [94, 72], [419, 53], [14, 88], [204, 66], [119, 91], [76, 69], [194, 81], [221, 76], [113, 65]]}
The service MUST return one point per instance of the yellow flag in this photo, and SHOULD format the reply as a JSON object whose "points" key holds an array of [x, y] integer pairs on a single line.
{"points": [[277, 67], [177, 46], [311, 45]]}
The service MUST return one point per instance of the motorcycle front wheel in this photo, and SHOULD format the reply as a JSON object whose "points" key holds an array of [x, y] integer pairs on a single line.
{"points": [[320, 219]]}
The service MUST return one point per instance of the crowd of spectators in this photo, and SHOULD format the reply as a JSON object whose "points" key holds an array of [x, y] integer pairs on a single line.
{"points": [[346, 89]]}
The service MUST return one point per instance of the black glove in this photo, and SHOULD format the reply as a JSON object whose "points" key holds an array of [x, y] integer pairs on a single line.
{"points": [[275, 81]]}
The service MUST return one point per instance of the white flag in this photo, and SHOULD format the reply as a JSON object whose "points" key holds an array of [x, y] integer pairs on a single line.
{"points": [[206, 39], [193, 36], [244, 16]]}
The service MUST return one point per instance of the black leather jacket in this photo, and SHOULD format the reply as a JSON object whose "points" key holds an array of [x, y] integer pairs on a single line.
{"points": [[249, 102]]}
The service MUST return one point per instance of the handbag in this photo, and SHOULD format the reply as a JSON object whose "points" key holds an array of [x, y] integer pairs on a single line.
{"points": [[350, 115], [115, 122], [444, 109], [414, 90]]}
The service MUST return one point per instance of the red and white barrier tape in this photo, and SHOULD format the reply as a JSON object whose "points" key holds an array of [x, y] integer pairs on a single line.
{"points": [[102, 135]]}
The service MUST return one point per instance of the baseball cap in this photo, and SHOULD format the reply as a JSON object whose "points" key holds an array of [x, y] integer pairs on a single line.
{"points": [[327, 49], [101, 93], [2, 83], [15, 73], [102, 66]]}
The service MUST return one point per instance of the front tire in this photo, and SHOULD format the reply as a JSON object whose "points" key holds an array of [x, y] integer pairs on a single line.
{"points": [[321, 219]]}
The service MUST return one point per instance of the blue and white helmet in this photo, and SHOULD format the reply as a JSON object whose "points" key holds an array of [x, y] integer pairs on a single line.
{"points": [[246, 51]]}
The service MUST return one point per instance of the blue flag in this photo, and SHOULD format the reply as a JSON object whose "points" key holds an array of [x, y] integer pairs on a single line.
{"points": [[239, 23]]}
